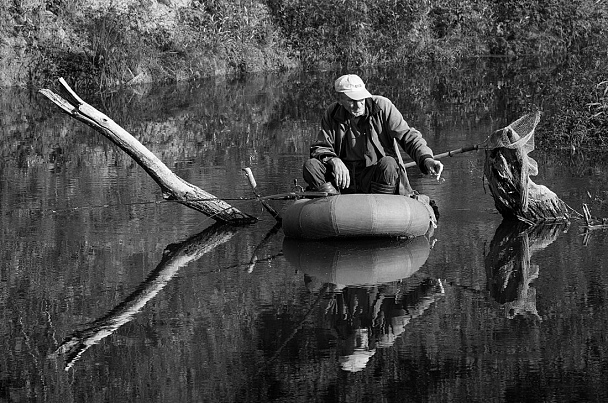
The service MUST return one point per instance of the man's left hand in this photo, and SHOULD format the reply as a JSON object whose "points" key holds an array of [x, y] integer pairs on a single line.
{"points": [[433, 167]]}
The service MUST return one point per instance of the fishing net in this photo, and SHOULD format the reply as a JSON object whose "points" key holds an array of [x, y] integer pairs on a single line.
{"points": [[508, 169], [519, 136]]}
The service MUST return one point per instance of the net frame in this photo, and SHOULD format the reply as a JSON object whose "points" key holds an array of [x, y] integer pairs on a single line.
{"points": [[519, 135]]}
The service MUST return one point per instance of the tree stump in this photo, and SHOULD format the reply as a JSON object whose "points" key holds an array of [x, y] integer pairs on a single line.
{"points": [[508, 169]]}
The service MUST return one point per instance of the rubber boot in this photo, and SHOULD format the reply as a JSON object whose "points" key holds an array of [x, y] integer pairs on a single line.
{"points": [[329, 188], [382, 188]]}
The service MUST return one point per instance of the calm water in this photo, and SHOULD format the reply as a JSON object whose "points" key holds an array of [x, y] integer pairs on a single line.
{"points": [[109, 294]]}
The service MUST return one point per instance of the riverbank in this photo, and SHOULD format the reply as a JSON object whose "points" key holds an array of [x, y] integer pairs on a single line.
{"points": [[102, 44], [101, 47], [126, 42]]}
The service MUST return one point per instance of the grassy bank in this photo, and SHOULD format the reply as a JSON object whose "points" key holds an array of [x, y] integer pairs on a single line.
{"points": [[104, 45], [127, 41]]}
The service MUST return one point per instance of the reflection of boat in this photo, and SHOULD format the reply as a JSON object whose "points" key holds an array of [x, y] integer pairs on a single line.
{"points": [[376, 291], [357, 262], [358, 215]]}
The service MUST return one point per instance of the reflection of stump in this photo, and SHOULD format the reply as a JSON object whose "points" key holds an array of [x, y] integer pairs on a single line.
{"points": [[508, 266], [508, 169]]}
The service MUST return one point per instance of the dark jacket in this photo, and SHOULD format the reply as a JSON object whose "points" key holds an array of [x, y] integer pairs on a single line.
{"points": [[383, 121]]}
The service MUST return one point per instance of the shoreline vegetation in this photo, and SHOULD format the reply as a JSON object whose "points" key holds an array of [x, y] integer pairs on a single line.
{"points": [[104, 45]]}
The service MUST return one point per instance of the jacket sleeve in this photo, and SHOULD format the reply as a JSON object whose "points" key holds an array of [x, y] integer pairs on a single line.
{"points": [[409, 139], [324, 147]]}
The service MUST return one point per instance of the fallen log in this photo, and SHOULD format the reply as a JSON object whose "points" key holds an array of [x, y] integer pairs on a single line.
{"points": [[172, 186], [508, 169]]}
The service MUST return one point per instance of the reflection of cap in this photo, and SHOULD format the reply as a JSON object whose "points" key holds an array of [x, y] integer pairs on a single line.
{"points": [[397, 327], [356, 361], [352, 86]]}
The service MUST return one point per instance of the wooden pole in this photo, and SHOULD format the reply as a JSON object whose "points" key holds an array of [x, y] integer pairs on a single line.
{"points": [[264, 202], [404, 183], [172, 186], [445, 154]]}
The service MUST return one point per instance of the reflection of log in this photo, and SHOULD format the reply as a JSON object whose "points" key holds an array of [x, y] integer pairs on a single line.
{"points": [[172, 186], [592, 222], [508, 267], [174, 257]]}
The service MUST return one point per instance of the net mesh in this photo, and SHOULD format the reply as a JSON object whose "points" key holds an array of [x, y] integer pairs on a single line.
{"points": [[519, 135]]}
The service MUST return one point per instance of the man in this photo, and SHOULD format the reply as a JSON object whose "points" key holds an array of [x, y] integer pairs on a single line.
{"points": [[355, 150]]}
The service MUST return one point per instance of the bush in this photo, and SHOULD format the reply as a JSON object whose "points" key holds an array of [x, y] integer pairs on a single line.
{"points": [[547, 26]]}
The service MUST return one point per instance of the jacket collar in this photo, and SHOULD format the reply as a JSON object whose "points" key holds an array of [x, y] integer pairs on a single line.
{"points": [[341, 115]]}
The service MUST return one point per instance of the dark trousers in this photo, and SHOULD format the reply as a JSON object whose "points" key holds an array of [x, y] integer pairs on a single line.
{"points": [[383, 174]]}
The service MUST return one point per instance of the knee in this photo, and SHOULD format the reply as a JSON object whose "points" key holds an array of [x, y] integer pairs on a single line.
{"points": [[313, 165], [387, 164]]}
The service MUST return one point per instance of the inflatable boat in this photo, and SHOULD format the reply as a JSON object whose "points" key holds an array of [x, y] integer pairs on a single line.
{"points": [[358, 216]]}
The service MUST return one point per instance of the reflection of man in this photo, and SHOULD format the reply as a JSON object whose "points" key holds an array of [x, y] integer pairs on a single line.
{"points": [[357, 360], [374, 317], [355, 149]]}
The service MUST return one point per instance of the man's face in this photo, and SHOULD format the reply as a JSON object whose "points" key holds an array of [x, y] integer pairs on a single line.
{"points": [[355, 108]]}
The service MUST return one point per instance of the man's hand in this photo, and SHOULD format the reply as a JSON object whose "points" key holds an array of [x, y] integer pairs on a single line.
{"points": [[433, 167], [341, 175]]}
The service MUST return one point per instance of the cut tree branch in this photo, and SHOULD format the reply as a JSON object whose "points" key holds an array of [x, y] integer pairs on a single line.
{"points": [[172, 186]]}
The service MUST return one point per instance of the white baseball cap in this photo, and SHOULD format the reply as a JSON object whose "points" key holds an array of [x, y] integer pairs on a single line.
{"points": [[352, 86]]}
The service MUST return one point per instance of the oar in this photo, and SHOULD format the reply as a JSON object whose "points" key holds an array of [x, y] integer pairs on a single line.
{"points": [[313, 194], [254, 186], [295, 195], [254, 256], [448, 154], [404, 183]]}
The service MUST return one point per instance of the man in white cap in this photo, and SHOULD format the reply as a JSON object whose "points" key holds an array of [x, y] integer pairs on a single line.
{"points": [[355, 151]]}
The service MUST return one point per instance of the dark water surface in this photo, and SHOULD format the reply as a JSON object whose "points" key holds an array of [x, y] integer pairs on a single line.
{"points": [[109, 294]]}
